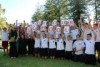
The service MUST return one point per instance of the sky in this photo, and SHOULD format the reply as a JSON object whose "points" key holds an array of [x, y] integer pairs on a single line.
{"points": [[20, 9]]}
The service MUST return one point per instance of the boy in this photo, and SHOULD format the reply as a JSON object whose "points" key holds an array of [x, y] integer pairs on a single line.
{"points": [[5, 40], [78, 48]]}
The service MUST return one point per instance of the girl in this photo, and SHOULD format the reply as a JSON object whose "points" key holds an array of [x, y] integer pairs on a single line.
{"points": [[68, 48], [60, 47], [52, 47], [12, 41], [37, 45], [44, 46]]}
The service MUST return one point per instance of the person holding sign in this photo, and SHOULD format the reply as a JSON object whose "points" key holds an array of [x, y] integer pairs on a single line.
{"points": [[44, 46], [52, 47], [60, 48], [66, 31], [51, 31]]}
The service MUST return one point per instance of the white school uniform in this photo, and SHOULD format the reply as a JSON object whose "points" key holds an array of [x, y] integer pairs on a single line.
{"points": [[69, 45], [44, 43], [78, 45], [97, 31], [37, 43], [90, 48], [52, 44], [4, 36], [74, 33], [60, 45]]}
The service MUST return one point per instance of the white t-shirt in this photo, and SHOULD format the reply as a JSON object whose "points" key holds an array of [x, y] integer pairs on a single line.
{"points": [[44, 43], [4, 36], [97, 31], [60, 45], [74, 33], [90, 49], [68, 46], [37, 43], [52, 44], [78, 45]]}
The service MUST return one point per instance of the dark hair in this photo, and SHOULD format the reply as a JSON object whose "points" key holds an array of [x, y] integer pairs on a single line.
{"points": [[78, 35], [96, 24], [86, 23], [90, 34]]}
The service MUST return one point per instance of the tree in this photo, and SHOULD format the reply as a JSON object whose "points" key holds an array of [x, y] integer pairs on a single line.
{"points": [[38, 15], [76, 8], [2, 18], [55, 9]]}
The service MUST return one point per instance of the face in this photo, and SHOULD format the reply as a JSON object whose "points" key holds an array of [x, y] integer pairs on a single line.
{"points": [[85, 25], [5, 29], [88, 37], [95, 27]]}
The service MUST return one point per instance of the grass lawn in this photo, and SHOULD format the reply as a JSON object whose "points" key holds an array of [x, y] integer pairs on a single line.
{"points": [[38, 62]]}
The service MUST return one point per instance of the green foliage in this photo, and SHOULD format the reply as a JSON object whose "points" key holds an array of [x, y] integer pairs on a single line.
{"points": [[76, 8], [29, 61], [2, 18], [38, 15]]}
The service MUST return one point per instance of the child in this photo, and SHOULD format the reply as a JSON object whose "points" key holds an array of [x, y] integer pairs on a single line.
{"points": [[90, 50], [44, 46], [52, 47], [60, 47], [68, 47], [97, 43], [37, 45], [78, 48], [5, 41]]}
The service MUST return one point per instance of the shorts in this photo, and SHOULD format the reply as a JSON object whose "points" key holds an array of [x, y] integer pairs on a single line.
{"points": [[5, 44]]}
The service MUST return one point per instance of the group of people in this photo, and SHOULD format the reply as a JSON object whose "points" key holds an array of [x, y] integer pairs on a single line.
{"points": [[77, 43]]}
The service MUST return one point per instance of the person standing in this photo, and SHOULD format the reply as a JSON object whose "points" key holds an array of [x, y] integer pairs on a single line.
{"points": [[5, 41], [12, 41]]}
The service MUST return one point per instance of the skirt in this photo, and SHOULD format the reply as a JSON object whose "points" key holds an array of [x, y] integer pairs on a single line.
{"points": [[52, 52]]}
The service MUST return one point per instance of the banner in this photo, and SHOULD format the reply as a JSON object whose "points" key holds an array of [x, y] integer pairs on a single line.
{"points": [[39, 22], [58, 29], [44, 23], [33, 27], [63, 22], [50, 29], [54, 23], [43, 28], [66, 29], [71, 22]]}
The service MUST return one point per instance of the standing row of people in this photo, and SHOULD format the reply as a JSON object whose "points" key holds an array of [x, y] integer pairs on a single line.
{"points": [[77, 43]]}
